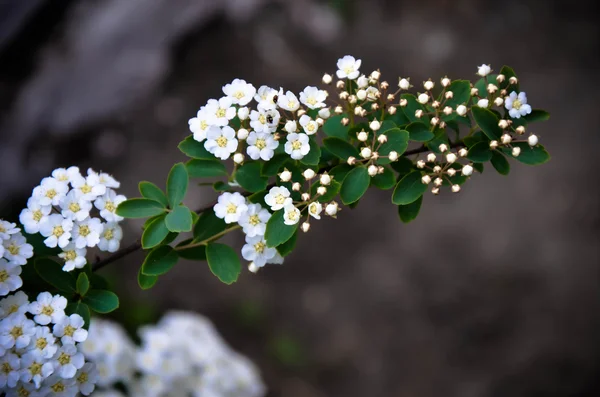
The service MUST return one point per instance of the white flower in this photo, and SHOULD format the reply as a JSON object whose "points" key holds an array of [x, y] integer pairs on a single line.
{"points": [[88, 187], [325, 113], [230, 207], [34, 215], [483, 103], [108, 203], [516, 104], [70, 330], [57, 386], [221, 142], [291, 214], [9, 277], [73, 207], [403, 83], [314, 209], [7, 229], [65, 175], [256, 250], [362, 81], [484, 70], [47, 308], [297, 145], [372, 93], [313, 97], [108, 180], [57, 230], [74, 257], [87, 233], [43, 344], [50, 191], [110, 239], [240, 92], [348, 67], [291, 126], [254, 220], [423, 98], [23, 389], [34, 368], [9, 370], [261, 145], [86, 378], [332, 209], [200, 124], [289, 101], [16, 331], [278, 197], [243, 113], [309, 125], [220, 112], [15, 303], [16, 249], [264, 120], [67, 361], [265, 97]]}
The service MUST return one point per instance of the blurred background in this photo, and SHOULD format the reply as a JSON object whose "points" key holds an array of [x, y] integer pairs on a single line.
{"points": [[491, 292]]}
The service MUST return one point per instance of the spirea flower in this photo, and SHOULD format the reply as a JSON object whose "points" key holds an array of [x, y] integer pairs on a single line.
{"points": [[74, 207], [314, 209], [87, 233], [88, 187], [240, 92], [15, 303], [278, 197], [291, 214], [256, 250], [230, 207], [86, 378], [200, 124], [16, 249], [9, 277], [261, 145], [517, 105], [57, 231], [220, 111], [35, 368], [43, 343], [50, 191], [34, 215], [264, 120], [265, 98], [297, 145], [254, 220], [107, 205], [348, 67], [288, 102], [47, 308], [309, 125], [16, 331], [221, 142], [111, 236], [70, 330], [313, 98], [9, 370], [74, 257]]}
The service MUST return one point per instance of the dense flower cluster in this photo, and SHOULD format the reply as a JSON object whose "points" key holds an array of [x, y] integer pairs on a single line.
{"points": [[14, 252], [61, 209], [183, 355]]}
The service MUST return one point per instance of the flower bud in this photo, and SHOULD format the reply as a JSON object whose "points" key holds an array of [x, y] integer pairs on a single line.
{"points": [[290, 126], [301, 112], [467, 170], [435, 190], [483, 103], [308, 174], [451, 158], [243, 113], [437, 169], [474, 91], [503, 93], [338, 110], [434, 121], [491, 88], [461, 110], [428, 85], [484, 70], [296, 186], [520, 130], [380, 169], [372, 170], [332, 209], [493, 144], [445, 82], [285, 175], [426, 179], [351, 160], [500, 78], [324, 113], [404, 84], [498, 101], [403, 102], [320, 121], [532, 140], [431, 157], [343, 95], [325, 179], [503, 124], [438, 181], [442, 124], [418, 113], [366, 152], [393, 156], [340, 85], [435, 104], [362, 81], [384, 85], [276, 136], [455, 188], [375, 125], [321, 190], [305, 227], [449, 95], [513, 80], [345, 121], [516, 151], [375, 75], [463, 152], [242, 134], [421, 164], [361, 94], [451, 172], [443, 147], [238, 158], [327, 78], [423, 98], [358, 110], [352, 99], [362, 136], [252, 267], [382, 139], [375, 106], [392, 110], [391, 97], [305, 196], [506, 139], [448, 110]]}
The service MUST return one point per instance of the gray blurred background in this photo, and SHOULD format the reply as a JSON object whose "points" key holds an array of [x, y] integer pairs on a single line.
{"points": [[491, 292]]}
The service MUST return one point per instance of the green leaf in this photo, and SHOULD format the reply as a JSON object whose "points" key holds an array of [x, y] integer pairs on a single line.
{"points": [[205, 168], [340, 148], [355, 185], [500, 163], [409, 189], [159, 261], [403, 166], [79, 308], [386, 126], [224, 262], [340, 171], [52, 273], [508, 72], [286, 248], [150, 191], [412, 105], [207, 226], [399, 118], [273, 166], [101, 301], [332, 190], [314, 155], [97, 281], [478, 167], [461, 92], [277, 231], [197, 253], [250, 178], [480, 152], [419, 132], [154, 233], [488, 122], [333, 127], [397, 140], [529, 155], [139, 208], [537, 115], [410, 211], [195, 149], [177, 184], [384, 181], [221, 186], [83, 284], [440, 137], [146, 282], [179, 219]]}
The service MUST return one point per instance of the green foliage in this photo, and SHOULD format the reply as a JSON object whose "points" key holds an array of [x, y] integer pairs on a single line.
{"points": [[154, 232], [480, 152], [500, 163], [52, 273], [277, 231], [207, 226], [384, 181], [355, 185], [409, 212], [224, 262], [333, 127], [340, 148], [177, 184], [487, 121], [194, 149], [529, 155], [179, 219], [146, 282], [313, 157], [409, 189], [83, 284], [150, 191], [139, 208], [412, 105], [419, 132], [101, 301], [159, 261], [249, 177], [397, 141], [286, 248], [205, 168]]}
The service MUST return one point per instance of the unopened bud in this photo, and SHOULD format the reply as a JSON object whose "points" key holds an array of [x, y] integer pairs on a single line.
{"points": [[532, 140], [503, 124], [438, 181], [242, 134], [455, 188], [358, 110], [506, 139], [374, 155], [403, 102], [503, 92], [421, 164], [498, 101], [451, 158], [431, 157], [372, 170], [520, 130], [338, 110], [375, 106], [352, 99], [380, 169], [467, 170], [285, 175], [393, 155], [437, 169], [276, 136], [423, 98], [392, 109], [296, 186], [516, 151], [391, 97], [344, 95], [308, 174], [362, 81], [442, 124], [375, 125], [305, 196], [419, 113], [301, 112], [324, 113], [340, 85], [463, 152], [443, 147], [435, 104], [461, 110], [332, 208], [428, 85], [491, 88], [305, 227], [238, 158], [434, 121], [321, 190], [252, 267], [404, 84], [345, 121], [375, 75], [435, 190], [513, 80], [448, 110], [483, 103], [365, 152], [426, 179], [474, 91], [361, 94], [384, 85], [320, 121], [362, 136], [451, 172], [500, 78], [382, 139], [445, 82], [243, 113], [493, 144], [449, 95], [327, 78], [351, 160], [325, 179]]}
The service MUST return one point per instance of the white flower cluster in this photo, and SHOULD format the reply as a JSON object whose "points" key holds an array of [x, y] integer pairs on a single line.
{"points": [[14, 252], [61, 210], [183, 355], [230, 125]]}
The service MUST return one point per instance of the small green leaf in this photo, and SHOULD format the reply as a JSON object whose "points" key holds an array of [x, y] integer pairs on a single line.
{"points": [[150, 191], [223, 262], [537, 115], [101, 301], [340, 171], [440, 137], [314, 155], [478, 167], [195, 149], [500, 163], [397, 140], [177, 184], [461, 92], [340, 148], [419, 132], [410, 211], [97, 281], [159, 261], [207, 226], [273, 166], [399, 118], [409, 189], [384, 181], [412, 105], [480, 152], [286, 248], [355, 185], [529, 155], [403, 166], [197, 253], [146, 282], [487, 121], [154, 233], [205, 168], [333, 127], [179, 219], [277, 231], [508, 72], [221, 186], [52, 273], [249, 177], [139, 208], [79, 308], [83, 284]]}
